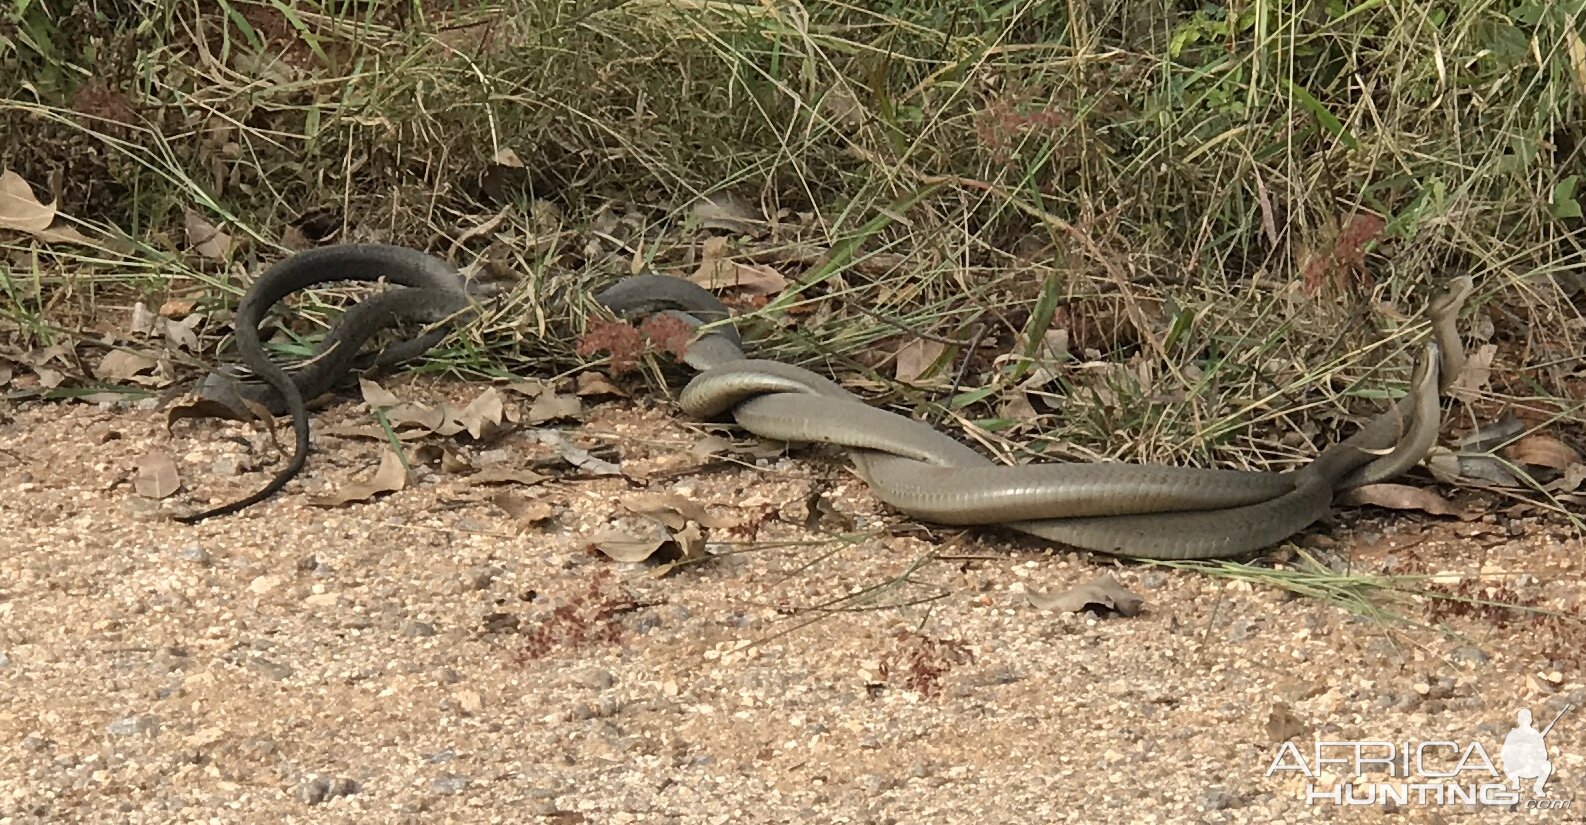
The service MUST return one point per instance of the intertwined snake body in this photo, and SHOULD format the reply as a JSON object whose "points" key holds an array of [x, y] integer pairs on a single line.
{"points": [[1144, 511], [1135, 510], [431, 292]]}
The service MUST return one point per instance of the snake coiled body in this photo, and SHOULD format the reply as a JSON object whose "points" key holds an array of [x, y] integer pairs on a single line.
{"points": [[430, 291], [1144, 511]]}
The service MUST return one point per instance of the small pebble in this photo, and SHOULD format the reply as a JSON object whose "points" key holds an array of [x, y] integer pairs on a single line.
{"points": [[142, 723], [449, 783]]}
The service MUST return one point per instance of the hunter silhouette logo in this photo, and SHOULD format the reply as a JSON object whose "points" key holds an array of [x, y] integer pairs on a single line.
{"points": [[1524, 751]]}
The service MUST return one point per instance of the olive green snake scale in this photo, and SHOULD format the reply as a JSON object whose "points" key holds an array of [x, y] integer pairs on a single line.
{"points": [[1132, 510]]}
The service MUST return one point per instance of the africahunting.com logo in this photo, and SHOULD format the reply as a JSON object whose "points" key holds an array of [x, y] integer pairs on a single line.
{"points": [[1433, 772]]}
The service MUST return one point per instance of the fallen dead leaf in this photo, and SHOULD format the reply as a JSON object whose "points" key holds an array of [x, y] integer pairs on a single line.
{"points": [[441, 421], [726, 213], [121, 365], [507, 157], [1543, 451], [1477, 372], [195, 407], [156, 475], [507, 475], [1404, 497], [717, 271], [20, 209], [207, 239], [553, 406], [532, 387], [916, 358], [1101, 595], [373, 432], [182, 333], [593, 384], [483, 415], [377, 396], [1574, 476], [574, 454], [690, 541], [523, 509], [389, 478], [143, 321], [673, 510], [631, 545], [177, 308]]}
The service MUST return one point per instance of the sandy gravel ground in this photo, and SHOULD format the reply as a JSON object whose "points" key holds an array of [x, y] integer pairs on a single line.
{"points": [[427, 658]]}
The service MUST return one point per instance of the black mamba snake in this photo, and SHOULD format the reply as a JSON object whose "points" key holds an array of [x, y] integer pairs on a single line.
{"points": [[1143, 511]]}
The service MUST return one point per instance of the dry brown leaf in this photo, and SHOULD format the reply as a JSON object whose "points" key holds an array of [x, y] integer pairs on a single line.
{"points": [[523, 509], [483, 415], [593, 384], [194, 407], [178, 308], [690, 542], [207, 239], [673, 510], [1404, 497], [20, 209], [120, 365], [143, 321], [425, 418], [710, 445], [182, 334], [377, 396], [726, 213], [1477, 372], [49, 378], [631, 545], [1016, 405], [551, 406], [506, 475], [532, 387], [156, 475], [63, 232], [574, 454], [389, 478], [373, 432], [753, 279], [916, 358], [717, 271], [1543, 451], [507, 157], [1101, 595], [1574, 476]]}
